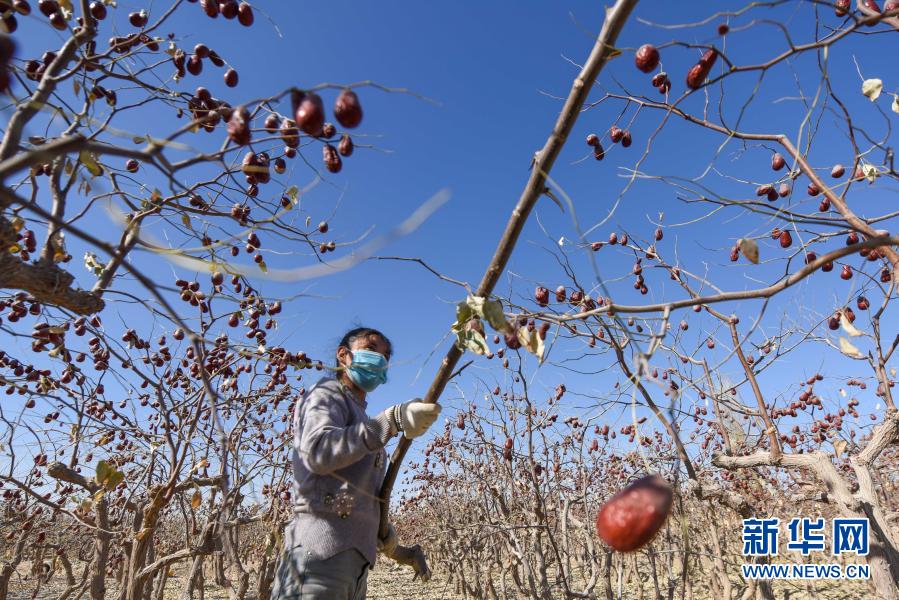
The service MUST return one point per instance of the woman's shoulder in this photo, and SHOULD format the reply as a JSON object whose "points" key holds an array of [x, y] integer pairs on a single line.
{"points": [[325, 396], [325, 388]]}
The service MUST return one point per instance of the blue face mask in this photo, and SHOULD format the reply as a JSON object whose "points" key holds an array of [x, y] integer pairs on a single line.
{"points": [[368, 370]]}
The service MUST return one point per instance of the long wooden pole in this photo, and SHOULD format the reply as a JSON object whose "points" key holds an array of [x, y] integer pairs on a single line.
{"points": [[603, 50]]}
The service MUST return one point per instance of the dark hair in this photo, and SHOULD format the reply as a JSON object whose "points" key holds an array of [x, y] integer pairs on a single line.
{"points": [[362, 332]]}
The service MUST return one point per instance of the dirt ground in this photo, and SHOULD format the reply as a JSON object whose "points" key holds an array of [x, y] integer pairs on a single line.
{"points": [[388, 581]]}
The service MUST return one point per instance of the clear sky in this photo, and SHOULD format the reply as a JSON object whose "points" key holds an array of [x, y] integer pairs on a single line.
{"points": [[497, 71]]}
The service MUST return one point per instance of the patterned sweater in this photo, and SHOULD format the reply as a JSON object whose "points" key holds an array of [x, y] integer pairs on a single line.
{"points": [[339, 463]]}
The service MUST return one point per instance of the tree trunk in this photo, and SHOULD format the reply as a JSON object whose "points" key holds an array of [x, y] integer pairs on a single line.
{"points": [[192, 577], [201, 582], [881, 557], [720, 573], [161, 581], [101, 551], [218, 567], [148, 583], [267, 568], [607, 575]]}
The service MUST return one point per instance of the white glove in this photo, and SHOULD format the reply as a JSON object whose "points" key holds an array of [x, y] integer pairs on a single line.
{"points": [[414, 417], [388, 544]]}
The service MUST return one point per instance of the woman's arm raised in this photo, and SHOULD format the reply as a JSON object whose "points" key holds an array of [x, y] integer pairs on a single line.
{"points": [[326, 443]]}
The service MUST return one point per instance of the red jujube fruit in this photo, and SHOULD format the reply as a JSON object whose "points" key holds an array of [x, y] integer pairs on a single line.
{"points": [[633, 516]]}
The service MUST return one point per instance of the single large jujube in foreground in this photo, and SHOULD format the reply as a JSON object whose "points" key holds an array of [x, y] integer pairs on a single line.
{"points": [[633, 516]]}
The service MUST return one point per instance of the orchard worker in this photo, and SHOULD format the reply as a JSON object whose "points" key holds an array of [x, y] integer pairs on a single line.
{"points": [[339, 463]]}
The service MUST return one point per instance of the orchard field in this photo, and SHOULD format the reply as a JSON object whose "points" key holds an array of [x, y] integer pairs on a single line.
{"points": [[640, 238]]}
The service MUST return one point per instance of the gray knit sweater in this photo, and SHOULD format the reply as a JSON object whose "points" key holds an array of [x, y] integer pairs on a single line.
{"points": [[338, 465]]}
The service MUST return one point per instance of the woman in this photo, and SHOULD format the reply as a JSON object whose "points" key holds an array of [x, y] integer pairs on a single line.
{"points": [[338, 464]]}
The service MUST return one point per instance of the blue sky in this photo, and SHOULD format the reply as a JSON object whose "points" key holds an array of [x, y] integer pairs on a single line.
{"points": [[496, 71]]}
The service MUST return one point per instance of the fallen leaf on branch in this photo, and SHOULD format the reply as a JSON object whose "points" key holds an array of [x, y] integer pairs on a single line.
{"points": [[839, 447], [870, 172], [470, 339], [872, 88], [749, 249], [491, 310], [849, 327], [849, 350], [530, 341]]}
